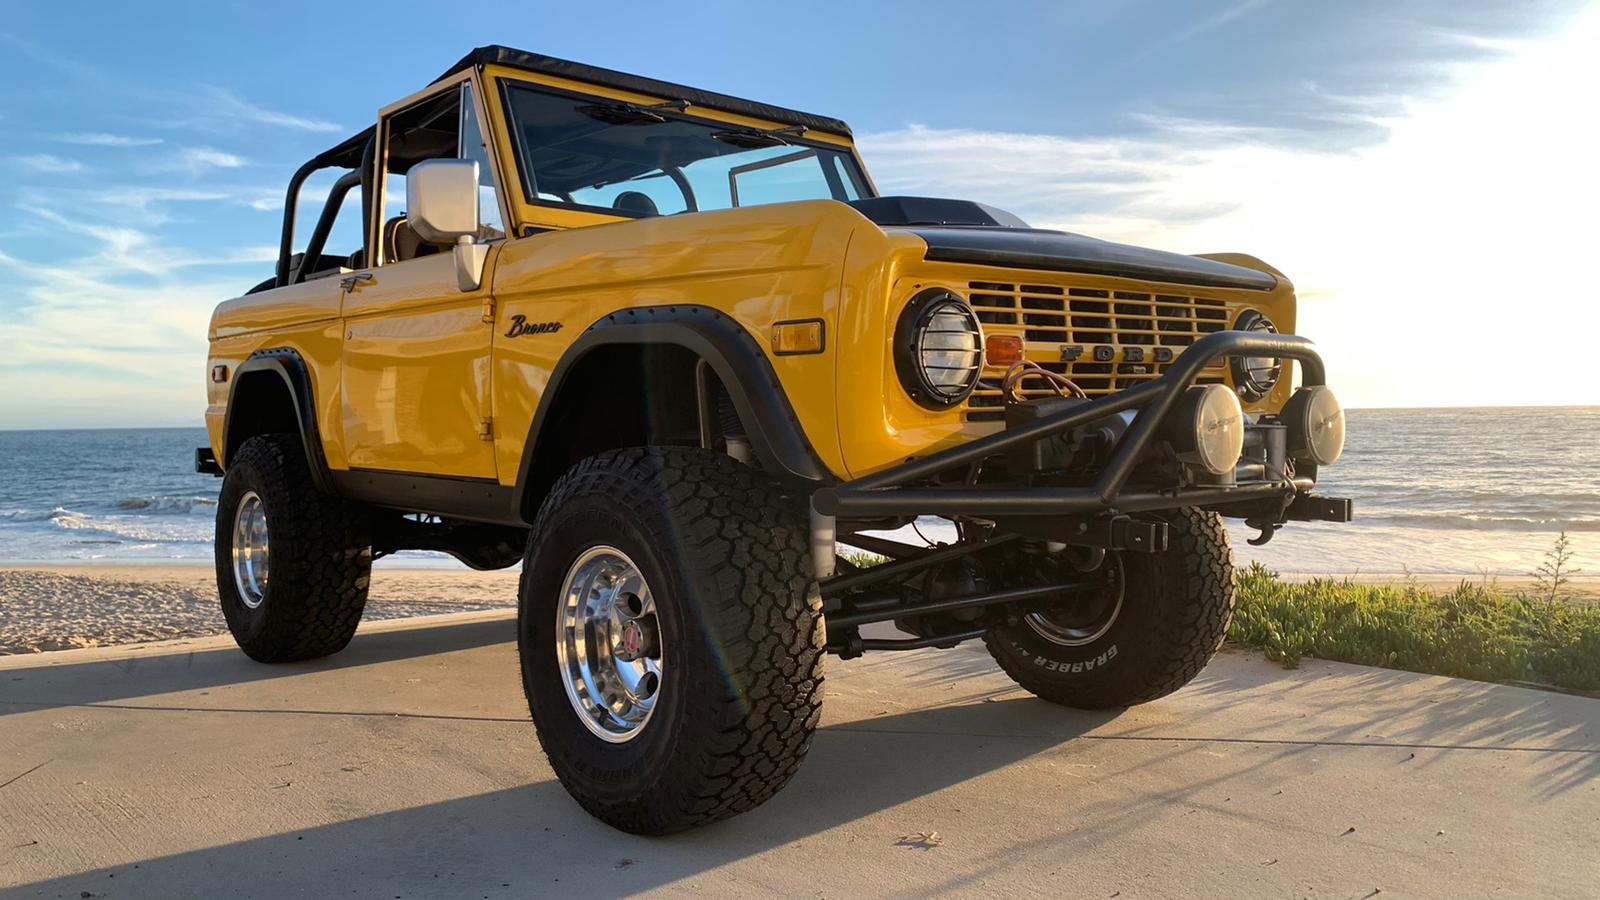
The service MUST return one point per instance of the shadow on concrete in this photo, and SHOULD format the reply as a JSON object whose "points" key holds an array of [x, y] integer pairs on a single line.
{"points": [[52, 684], [1563, 731], [533, 839], [1350, 705]]}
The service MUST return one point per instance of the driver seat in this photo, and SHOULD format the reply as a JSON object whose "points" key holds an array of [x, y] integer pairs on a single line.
{"points": [[401, 242]]}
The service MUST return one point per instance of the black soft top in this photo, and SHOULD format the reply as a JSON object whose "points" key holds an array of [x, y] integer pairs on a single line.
{"points": [[348, 153], [495, 54]]}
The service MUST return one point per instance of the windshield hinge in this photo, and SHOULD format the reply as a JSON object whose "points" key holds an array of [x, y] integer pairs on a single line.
{"points": [[486, 429], [488, 309]]}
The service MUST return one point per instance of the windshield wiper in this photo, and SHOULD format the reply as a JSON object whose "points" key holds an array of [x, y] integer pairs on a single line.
{"points": [[632, 113], [755, 137]]}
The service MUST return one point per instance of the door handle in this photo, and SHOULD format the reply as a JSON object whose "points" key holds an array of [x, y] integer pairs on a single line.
{"points": [[351, 282]]}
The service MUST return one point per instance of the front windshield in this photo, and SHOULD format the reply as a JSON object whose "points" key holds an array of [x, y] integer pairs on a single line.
{"points": [[581, 153]]}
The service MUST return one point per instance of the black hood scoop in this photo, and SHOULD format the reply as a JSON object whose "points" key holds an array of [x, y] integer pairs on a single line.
{"points": [[965, 232]]}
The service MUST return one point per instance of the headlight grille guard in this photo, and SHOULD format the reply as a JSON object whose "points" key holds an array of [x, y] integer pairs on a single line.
{"points": [[885, 493]]}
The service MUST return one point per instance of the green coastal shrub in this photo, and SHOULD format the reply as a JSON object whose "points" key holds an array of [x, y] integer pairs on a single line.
{"points": [[1474, 631]]}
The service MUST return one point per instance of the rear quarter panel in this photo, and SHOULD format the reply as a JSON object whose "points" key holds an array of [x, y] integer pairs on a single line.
{"points": [[302, 317]]}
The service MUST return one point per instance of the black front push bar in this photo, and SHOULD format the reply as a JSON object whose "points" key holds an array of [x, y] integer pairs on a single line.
{"points": [[884, 493]]}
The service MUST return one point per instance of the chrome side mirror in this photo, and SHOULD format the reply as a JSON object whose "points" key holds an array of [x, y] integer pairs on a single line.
{"points": [[442, 207]]}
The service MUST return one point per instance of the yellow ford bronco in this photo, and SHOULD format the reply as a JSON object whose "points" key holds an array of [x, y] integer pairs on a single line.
{"points": [[671, 352]]}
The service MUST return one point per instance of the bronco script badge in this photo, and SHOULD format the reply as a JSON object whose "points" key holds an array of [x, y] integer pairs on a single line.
{"points": [[521, 326]]}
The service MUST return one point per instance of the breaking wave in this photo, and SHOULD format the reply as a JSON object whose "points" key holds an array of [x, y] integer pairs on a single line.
{"points": [[1476, 522], [134, 527], [167, 504]]}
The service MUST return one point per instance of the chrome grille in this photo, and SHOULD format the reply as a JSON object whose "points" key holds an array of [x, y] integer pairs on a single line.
{"points": [[1104, 340]]}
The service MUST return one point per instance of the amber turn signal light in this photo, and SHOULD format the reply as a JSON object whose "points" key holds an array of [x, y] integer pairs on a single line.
{"points": [[803, 336], [1002, 349]]}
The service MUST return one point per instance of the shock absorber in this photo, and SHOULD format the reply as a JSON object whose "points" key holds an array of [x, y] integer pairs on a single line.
{"points": [[733, 433]]}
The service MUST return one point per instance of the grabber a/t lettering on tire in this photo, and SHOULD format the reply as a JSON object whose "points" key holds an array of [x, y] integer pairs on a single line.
{"points": [[670, 637], [1150, 629], [293, 563]]}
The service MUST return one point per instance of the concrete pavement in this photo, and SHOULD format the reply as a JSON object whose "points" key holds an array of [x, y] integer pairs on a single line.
{"points": [[405, 767]]}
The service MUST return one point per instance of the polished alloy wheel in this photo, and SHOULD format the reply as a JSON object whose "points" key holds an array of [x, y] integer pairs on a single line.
{"points": [[608, 644], [1086, 618], [250, 550]]}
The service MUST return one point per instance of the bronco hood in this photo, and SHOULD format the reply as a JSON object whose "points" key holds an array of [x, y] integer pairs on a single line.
{"points": [[965, 232]]}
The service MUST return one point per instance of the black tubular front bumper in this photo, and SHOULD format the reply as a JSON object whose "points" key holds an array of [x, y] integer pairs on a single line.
{"points": [[887, 493]]}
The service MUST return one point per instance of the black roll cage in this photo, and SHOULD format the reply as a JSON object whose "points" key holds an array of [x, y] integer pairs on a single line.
{"points": [[355, 154]]}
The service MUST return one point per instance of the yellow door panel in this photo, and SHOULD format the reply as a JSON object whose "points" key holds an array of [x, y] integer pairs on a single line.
{"points": [[416, 372]]}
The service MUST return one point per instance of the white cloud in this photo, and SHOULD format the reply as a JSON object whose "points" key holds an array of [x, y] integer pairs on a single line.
{"points": [[197, 159], [116, 251], [265, 200], [122, 202], [1209, 23], [227, 104], [103, 139], [48, 164], [1439, 265], [147, 368], [271, 199]]}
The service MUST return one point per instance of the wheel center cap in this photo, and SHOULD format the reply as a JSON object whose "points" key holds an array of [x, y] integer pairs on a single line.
{"points": [[636, 640], [631, 642]]}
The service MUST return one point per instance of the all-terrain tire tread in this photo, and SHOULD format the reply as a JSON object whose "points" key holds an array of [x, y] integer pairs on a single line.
{"points": [[743, 542], [319, 583], [1199, 575]]}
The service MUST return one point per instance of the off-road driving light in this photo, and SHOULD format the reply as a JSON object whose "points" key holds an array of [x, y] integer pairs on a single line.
{"points": [[1254, 376], [1315, 423], [938, 349], [1207, 428]]}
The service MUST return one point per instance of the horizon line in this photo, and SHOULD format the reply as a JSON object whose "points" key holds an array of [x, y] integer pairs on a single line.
{"points": [[202, 426]]}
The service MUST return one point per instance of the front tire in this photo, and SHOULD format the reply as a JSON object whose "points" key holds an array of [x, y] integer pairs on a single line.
{"points": [[1159, 621], [670, 639], [293, 563]]}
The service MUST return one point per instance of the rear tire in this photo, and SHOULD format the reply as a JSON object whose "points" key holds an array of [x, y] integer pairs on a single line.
{"points": [[735, 626], [303, 596], [1171, 616]]}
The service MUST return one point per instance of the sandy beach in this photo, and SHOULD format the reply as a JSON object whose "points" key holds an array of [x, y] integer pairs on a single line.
{"points": [[65, 607]]}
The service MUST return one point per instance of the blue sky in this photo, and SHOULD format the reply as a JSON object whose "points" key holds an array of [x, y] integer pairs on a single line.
{"points": [[1418, 168]]}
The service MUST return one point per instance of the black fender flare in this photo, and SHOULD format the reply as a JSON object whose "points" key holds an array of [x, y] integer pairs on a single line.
{"points": [[741, 365], [286, 364]]}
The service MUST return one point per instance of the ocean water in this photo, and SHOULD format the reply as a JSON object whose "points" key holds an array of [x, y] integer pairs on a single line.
{"points": [[1461, 491], [111, 494]]}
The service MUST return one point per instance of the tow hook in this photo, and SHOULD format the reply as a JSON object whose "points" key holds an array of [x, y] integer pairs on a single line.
{"points": [[1268, 529]]}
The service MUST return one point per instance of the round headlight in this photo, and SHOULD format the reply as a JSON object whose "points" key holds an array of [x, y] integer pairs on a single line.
{"points": [[938, 349], [1315, 423], [1254, 376], [1206, 427]]}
